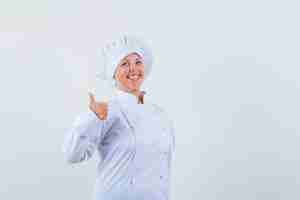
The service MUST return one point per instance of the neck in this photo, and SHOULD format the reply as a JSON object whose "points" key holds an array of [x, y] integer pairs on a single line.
{"points": [[137, 93]]}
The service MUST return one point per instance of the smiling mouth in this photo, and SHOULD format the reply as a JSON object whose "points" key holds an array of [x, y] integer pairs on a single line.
{"points": [[134, 77]]}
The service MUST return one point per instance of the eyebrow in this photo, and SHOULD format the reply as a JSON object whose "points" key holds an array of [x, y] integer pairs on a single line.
{"points": [[138, 58]]}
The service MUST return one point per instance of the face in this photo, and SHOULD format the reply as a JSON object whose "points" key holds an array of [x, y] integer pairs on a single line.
{"points": [[130, 73]]}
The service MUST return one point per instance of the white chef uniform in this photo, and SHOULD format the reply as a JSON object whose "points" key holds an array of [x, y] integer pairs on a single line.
{"points": [[136, 143]]}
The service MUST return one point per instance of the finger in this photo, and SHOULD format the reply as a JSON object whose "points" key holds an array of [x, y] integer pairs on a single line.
{"points": [[104, 99], [103, 103], [92, 98], [92, 106]]}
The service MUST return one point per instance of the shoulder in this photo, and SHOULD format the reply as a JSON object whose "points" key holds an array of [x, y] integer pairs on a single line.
{"points": [[160, 110], [164, 116], [113, 108]]}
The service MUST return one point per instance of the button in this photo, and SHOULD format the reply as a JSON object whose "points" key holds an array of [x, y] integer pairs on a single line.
{"points": [[164, 130], [160, 176], [82, 137], [131, 181], [164, 154]]}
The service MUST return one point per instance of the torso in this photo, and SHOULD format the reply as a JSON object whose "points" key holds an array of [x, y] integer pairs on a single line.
{"points": [[136, 154]]}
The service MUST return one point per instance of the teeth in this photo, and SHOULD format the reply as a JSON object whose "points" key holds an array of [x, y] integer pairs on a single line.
{"points": [[135, 77]]}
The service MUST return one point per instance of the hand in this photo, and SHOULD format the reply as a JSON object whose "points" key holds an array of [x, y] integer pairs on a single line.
{"points": [[99, 108]]}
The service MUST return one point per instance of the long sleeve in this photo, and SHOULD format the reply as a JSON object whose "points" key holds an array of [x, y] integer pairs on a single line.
{"points": [[86, 132]]}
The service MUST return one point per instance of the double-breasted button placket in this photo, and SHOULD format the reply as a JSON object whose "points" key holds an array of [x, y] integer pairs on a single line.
{"points": [[134, 144]]}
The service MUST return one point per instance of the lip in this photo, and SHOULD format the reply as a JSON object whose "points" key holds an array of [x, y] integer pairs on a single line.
{"points": [[138, 78]]}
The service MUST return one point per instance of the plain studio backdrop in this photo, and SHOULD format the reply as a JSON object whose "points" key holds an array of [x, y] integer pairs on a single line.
{"points": [[227, 72]]}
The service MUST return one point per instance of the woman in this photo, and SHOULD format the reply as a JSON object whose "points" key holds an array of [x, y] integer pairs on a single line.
{"points": [[133, 136]]}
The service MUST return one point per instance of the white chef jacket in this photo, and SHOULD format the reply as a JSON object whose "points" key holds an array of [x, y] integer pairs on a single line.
{"points": [[136, 143]]}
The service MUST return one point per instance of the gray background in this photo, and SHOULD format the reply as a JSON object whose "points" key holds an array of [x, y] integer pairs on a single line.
{"points": [[229, 68]]}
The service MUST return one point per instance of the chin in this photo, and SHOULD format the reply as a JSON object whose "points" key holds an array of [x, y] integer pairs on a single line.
{"points": [[130, 88]]}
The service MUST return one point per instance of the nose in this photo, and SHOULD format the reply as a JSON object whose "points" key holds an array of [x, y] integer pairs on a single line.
{"points": [[132, 67]]}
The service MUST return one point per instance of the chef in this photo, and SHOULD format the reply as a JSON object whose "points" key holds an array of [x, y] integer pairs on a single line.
{"points": [[133, 136]]}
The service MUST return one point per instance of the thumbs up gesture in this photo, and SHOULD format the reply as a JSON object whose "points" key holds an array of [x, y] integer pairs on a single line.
{"points": [[99, 108]]}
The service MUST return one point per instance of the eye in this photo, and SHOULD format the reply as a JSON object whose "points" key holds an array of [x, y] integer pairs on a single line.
{"points": [[138, 62], [124, 64]]}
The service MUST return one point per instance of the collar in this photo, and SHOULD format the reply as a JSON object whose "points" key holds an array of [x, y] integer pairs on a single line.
{"points": [[125, 96]]}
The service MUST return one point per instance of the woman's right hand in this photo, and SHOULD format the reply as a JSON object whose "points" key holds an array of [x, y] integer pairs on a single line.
{"points": [[99, 108]]}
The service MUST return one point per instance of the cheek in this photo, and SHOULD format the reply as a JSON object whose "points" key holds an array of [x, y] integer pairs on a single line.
{"points": [[122, 76], [143, 72]]}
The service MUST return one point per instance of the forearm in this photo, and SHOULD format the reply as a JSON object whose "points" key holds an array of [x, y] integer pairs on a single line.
{"points": [[81, 139]]}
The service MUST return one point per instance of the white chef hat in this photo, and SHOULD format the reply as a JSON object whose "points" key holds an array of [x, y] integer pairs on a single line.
{"points": [[115, 50]]}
